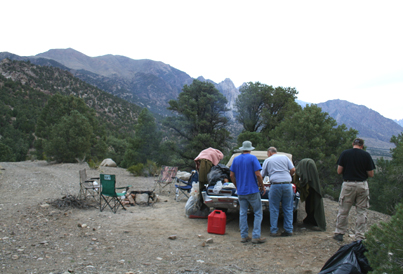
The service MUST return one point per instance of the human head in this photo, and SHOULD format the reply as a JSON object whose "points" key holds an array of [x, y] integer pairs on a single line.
{"points": [[271, 151], [246, 146], [358, 142]]}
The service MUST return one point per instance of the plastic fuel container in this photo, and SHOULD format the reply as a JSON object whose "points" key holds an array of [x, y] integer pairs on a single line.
{"points": [[217, 220]]}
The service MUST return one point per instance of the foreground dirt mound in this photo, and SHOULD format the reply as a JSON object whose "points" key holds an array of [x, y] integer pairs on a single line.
{"points": [[36, 237]]}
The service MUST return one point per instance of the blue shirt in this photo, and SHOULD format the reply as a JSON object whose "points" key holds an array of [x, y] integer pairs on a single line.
{"points": [[244, 166], [277, 167]]}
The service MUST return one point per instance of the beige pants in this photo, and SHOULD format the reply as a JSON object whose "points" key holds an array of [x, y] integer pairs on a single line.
{"points": [[358, 194]]}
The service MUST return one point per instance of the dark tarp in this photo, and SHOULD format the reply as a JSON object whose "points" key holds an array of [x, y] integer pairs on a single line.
{"points": [[307, 182], [218, 173]]}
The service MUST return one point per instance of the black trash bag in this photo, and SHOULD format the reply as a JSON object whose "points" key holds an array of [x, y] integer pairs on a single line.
{"points": [[218, 173], [349, 259]]}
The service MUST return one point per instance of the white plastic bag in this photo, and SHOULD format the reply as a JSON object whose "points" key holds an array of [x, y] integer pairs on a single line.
{"points": [[191, 205], [195, 189], [96, 185], [217, 187]]}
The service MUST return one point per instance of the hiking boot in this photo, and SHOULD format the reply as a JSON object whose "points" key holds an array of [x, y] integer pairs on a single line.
{"points": [[258, 240], [245, 240], [274, 235], [285, 234], [338, 237]]}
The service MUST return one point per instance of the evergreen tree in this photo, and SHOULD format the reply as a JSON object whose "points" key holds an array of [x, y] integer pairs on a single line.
{"points": [[385, 245], [388, 182], [68, 129], [146, 142], [262, 107], [116, 148], [199, 122], [6, 153], [70, 138], [311, 133]]}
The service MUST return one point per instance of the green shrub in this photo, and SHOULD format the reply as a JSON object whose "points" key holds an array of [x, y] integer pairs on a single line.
{"points": [[151, 168], [93, 163], [136, 170], [385, 244]]}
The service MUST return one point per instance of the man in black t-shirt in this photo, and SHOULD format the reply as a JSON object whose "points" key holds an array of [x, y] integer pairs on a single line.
{"points": [[356, 165]]}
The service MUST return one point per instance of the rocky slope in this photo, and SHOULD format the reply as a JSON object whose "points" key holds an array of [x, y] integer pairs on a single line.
{"points": [[373, 127]]}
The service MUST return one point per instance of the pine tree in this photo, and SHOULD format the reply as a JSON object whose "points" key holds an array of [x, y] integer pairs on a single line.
{"points": [[385, 244]]}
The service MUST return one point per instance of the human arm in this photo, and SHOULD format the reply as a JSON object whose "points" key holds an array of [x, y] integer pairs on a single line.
{"points": [[370, 173], [340, 170], [292, 171], [260, 181], [264, 169], [233, 180]]}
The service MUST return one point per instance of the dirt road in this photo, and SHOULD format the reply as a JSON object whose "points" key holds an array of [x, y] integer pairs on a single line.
{"points": [[36, 237]]}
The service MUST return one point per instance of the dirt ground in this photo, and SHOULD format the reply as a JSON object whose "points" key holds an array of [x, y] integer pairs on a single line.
{"points": [[36, 237]]}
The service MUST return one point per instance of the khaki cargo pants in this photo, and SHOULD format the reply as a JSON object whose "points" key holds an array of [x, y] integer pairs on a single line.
{"points": [[353, 193]]}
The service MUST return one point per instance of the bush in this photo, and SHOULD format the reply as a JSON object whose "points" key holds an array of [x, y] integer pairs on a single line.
{"points": [[93, 163], [385, 244], [136, 170], [149, 169]]}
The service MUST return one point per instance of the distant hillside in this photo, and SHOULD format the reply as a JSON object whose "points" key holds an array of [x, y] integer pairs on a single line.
{"points": [[152, 84], [400, 122], [116, 113], [146, 83], [373, 127]]}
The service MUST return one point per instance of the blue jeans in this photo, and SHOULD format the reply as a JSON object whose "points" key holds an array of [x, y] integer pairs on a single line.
{"points": [[256, 203], [281, 193]]}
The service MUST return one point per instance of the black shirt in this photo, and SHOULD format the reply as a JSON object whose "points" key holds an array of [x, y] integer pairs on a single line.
{"points": [[355, 162]]}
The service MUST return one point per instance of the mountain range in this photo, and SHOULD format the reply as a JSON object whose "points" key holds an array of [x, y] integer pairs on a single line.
{"points": [[152, 84]]}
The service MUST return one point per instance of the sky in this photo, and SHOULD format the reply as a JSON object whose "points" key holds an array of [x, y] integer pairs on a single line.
{"points": [[326, 50]]}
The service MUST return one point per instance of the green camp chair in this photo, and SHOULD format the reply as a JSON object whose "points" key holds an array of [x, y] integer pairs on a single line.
{"points": [[109, 196]]}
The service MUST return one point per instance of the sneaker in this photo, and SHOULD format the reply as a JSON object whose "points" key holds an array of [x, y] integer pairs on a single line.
{"points": [[245, 240], [258, 240], [338, 237], [286, 234]]}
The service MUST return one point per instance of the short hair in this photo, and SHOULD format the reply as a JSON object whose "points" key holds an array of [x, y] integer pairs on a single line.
{"points": [[272, 149], [358, 141]]}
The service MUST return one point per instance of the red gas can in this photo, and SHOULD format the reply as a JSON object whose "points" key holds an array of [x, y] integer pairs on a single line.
{"points": [[216, 222]]}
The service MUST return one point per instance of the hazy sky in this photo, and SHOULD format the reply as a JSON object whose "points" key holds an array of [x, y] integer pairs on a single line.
{"points": [[349, 50]]}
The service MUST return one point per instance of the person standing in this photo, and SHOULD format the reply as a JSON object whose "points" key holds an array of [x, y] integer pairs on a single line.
{"points": [[246, 177], [280, 170], [206, 159], [356, 165]]}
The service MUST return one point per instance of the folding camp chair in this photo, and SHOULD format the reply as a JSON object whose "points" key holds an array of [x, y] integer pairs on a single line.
{"points": [[88, 186], [183, 187], [109, 195], [166, 177]]}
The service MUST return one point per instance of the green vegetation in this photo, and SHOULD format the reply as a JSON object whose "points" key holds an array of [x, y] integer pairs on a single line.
{"points": [[67, 129], [271, 117], [388, 180], [199, 122], [261, 107], [145, 145], [385, 244], [311, 133], [23, 97], [47, 113], [150, 168], [19, 108]]}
